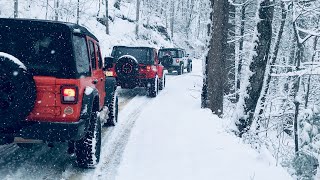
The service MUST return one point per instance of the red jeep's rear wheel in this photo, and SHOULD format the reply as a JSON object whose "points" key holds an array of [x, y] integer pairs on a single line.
{"points": [[153, 87], [162, 83], [113, 110], [18, 92], [88, 148]]}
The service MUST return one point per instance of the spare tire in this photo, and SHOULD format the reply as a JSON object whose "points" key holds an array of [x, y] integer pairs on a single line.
{"points": [[127, 68], [18, 91], [166, 61]]}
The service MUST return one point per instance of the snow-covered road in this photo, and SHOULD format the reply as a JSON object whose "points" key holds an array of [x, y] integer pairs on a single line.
{"points": [[43, 162], [167, 137]]}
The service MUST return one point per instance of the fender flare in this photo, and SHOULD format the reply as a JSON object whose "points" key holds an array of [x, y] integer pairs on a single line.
{"points": [[87, 106]]}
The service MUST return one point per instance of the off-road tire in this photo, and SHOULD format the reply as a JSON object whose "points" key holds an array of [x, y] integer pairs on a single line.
{"points": [[166, 61], [18, 93], [154, 87], [88, 148], [127, 70], [189, 68], [162, 83], [180, 69], [113, 111]]}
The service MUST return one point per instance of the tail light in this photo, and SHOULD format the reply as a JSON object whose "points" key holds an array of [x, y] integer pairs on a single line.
{"points": [[69, 94], [153, 68], [177, 60]]}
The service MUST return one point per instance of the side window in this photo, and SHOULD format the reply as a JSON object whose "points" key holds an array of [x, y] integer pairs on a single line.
{"points": [[92, 55], [156, 56], [81, 55], [151, 56], [99, 57], [180, 54]]}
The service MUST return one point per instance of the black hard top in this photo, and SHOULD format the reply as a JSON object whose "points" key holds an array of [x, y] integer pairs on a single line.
{"points": [[135, 47], [171, 49], [75, 28]]}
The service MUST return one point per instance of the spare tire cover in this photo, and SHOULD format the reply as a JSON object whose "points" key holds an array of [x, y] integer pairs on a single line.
{"points": [[127, 68], [166, 60], [17, 91]]}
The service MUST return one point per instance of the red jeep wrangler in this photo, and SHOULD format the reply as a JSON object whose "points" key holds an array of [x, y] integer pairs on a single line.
{"points": [[136, 67], [53, 87]]}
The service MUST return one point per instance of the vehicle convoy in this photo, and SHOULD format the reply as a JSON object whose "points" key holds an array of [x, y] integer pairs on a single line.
{"points": [[53, 87], [136, 67], [175, 59]]}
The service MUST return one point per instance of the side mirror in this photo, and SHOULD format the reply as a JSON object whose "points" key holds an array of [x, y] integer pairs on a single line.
{"points": [[108, 61]]}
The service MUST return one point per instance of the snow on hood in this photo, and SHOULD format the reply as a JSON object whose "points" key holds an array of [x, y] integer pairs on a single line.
{"points": [[14, 59], [129, 56]]}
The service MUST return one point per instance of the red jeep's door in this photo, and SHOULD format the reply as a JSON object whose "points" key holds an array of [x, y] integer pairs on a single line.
{"points": [[98, 77]]}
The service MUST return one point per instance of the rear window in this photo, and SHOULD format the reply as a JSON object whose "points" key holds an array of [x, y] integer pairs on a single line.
{"points": [[172, 53], [143, 55], [44, 51]]}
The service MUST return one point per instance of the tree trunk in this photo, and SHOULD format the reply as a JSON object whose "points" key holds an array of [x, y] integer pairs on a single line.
{"points": [[243, 16], [78, 11], [107, 18], [117, 4], [172, 18], [257, 66], [47, 7], [56, 6], [309, 78], [217, 56], [273, 59], [16, 10], [137, 19]]}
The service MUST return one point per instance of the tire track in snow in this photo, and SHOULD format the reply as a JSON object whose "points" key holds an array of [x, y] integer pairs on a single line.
{"points": [[114, 143]]}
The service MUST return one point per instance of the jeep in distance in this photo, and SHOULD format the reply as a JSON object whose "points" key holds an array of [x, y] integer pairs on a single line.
{"points": [[175, 59], [137, 67], [53, 87]]}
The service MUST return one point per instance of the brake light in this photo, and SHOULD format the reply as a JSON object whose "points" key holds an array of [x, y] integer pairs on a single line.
{"points": [[69, 94], [153, 68], [177, 60]]}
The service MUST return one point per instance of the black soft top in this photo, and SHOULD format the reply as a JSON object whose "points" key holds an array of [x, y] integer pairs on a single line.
{"points": [[170, 49], [29, 23], [134, 47]]}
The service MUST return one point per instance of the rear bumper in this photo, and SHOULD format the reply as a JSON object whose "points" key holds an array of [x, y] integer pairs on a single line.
{"points": [[173, 67], [53, 132], [132, 83]]}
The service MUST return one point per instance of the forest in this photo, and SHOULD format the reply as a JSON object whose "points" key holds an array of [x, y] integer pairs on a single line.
{"points": [[261, 61]]}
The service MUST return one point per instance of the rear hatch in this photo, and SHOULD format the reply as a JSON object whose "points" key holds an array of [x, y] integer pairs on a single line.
{"points": [[172, 53], [46, 108], [143, 55], [46, 50]]}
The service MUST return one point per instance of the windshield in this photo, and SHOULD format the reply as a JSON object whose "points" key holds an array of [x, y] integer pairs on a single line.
{"points": [[172, 53], [142, 55], [43, 51]]}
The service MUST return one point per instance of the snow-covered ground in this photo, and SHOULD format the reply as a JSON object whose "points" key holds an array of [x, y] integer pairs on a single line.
{"points": [[174, 138], [167, 137]]}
